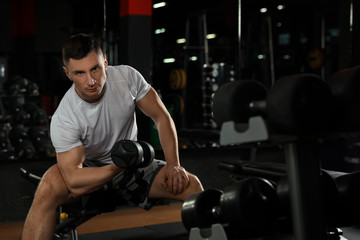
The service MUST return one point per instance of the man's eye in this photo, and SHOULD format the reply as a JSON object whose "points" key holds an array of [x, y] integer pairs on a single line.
{"points": [[95, 69], [79, 73]]}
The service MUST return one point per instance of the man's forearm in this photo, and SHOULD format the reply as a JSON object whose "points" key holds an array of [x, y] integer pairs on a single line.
{"points": [[86, 180], [169, 141]]}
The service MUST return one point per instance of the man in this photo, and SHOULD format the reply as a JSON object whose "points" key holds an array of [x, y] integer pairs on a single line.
{"points": [[96, 112]]}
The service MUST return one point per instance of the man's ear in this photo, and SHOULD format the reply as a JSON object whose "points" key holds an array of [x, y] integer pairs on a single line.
{"points": [[66, 72], [105, 61]]}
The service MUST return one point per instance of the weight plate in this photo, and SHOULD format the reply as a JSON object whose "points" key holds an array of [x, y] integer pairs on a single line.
{"points": [[197, 209], [249, 206], [345, 86], [127, 154], [300, 104], [231, 101], [149, 154], [177, 79]]}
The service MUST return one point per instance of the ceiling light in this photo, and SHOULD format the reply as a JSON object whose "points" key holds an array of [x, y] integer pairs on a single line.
{"points": [[181, 40], [193, 58], [159, 5], [211, 36], [263, 10], [169, 60], [160, 30]]}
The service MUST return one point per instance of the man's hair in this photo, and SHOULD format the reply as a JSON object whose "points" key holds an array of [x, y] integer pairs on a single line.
{"points": [[79, 46]]}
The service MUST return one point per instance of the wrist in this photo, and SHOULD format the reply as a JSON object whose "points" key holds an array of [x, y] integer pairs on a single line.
{"points": [[115, 168]]}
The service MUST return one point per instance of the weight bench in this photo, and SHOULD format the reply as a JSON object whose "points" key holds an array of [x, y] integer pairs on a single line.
{"points": [[126, 154], [72, 215]]}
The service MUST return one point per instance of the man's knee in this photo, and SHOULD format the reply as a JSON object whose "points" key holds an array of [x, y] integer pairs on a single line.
{"points": [[194, 187], [195, 183]]}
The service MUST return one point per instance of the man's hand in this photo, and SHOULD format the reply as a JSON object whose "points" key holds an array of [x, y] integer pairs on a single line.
{"points": [[175, 179]]}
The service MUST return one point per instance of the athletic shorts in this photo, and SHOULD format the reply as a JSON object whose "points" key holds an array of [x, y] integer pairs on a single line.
{"points": [[134, 186]]}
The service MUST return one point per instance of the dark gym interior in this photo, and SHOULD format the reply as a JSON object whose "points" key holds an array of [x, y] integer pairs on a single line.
{"points": [[206, 59]]}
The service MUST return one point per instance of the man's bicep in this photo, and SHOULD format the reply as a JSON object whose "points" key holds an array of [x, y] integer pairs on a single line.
{"points": [[71, 160]]}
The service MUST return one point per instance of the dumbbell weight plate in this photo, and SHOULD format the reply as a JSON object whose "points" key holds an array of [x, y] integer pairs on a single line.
{"points": [[177, 79], [300, 104], [197, 209], [149, 154], [231, 101], [345, 86], [127, 154], [249, 206]]}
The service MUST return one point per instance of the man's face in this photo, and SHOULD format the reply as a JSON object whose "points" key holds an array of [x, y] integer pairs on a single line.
{"points": [[88, 75]]}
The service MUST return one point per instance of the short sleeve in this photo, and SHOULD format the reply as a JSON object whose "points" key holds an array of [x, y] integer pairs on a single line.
{"points": [[137, 84], [63, 134]]}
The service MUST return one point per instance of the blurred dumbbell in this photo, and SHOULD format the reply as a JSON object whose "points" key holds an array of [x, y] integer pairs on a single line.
{"points": [[14, 105], [19, 85], [6, 149], [130, 154], [295, 104], [20, 116], [41, 140], [339, 198], [33, 89], [245, 208], [37, 114], [345, 86], [21, 142]]}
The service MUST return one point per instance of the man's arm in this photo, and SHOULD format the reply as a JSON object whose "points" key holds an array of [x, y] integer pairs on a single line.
{"points": [[81, 180], [176, 178]]}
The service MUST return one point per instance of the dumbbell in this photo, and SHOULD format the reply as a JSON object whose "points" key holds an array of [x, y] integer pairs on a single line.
{"points": [[341, 198], [293, 105], [132, 154], [245, 208], [14, 105], [345, 86], [19, 138], [37, 114], [40, 138], [19, 85]]}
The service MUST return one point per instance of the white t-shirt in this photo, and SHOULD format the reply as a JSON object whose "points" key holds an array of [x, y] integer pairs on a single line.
{"points": [[98, 126]]}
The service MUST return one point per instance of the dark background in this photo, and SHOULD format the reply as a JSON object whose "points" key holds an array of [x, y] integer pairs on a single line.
{"points": [[249, 45], [33, 31]]}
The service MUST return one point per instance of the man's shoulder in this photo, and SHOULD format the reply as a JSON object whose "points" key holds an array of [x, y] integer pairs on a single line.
{"points": [[68, 102], [118, 68], [121, 69]]}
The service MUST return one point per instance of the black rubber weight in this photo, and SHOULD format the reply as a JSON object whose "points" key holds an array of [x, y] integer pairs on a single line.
{"points": [[127, 154], [345, 86], [231, 101], [300, 104], [149, 154], [197, 209]]}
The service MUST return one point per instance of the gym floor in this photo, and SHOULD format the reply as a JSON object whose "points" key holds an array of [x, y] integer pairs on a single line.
{"points": [[160, 222]]}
